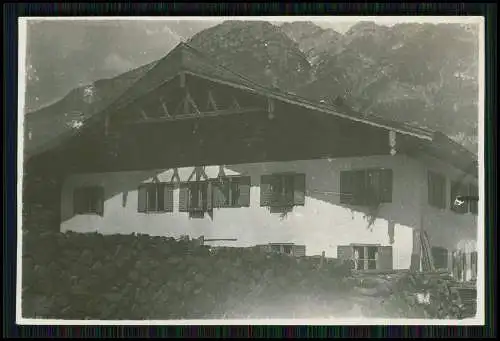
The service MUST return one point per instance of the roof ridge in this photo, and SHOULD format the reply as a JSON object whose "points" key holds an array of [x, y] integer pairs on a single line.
{"points": [[218, 64]]}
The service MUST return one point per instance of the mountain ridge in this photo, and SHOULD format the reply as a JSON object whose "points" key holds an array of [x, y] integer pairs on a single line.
{"points": [[420, 73]]}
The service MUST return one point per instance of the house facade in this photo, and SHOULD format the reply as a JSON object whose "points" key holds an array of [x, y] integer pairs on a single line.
{"points": [[192, 148]]}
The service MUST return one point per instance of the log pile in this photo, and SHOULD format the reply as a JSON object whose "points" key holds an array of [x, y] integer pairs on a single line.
{"points": [[90, 276]]}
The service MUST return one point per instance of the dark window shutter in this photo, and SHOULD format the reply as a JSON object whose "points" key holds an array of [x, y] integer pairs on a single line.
{"points": [[160, 194], [353, 187], [386, 180], [289, 183], [266, 193], [142, 199], [299, 195], [168, 198], [384, 259], [220, 193], [440, 257], [234, 188], [244, 186], [152, 200], [183, 197], [78, 201], [346, 187], [473, 204], [436, 190], [344, 252], [100, 200], [208, 195]]}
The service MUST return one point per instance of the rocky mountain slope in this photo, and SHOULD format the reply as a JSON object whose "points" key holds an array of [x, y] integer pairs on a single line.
{"points": [[421, 73], [259, 50], [312, 40]]}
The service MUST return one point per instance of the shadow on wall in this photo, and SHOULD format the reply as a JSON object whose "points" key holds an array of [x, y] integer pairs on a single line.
{"points": [[114, 185], [319, 186]]}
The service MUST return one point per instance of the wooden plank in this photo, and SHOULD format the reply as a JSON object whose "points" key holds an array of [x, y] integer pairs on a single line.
{"points": [[191, 102], [144, 115], [165, 108], [204, 114], [211, 102]]}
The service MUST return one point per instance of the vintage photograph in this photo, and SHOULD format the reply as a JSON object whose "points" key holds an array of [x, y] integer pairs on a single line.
{"points": [[241, 169]]}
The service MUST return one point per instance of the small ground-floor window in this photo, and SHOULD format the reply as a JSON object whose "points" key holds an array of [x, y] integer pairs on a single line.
{"points": [[89, 200], [366, 256]]}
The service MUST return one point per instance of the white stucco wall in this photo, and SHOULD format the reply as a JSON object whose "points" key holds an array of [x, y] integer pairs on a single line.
{"points": [[445, 227], [321, 224]]}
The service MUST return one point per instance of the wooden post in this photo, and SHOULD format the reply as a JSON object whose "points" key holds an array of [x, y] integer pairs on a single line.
{"points": [[322, 259], [392, 142]]}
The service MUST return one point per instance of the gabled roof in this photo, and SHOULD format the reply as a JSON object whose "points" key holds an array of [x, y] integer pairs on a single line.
{"points": [[186, 59]]}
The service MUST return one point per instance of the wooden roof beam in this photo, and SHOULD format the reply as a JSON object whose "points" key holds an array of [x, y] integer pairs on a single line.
{"points": [[190, 102], [165, 108], [211, 101]]}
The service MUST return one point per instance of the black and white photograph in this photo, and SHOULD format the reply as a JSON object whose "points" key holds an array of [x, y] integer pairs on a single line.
{"points": [[239, 170]]}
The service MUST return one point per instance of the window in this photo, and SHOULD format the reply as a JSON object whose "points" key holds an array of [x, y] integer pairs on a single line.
{"points": [[473, 203], [285, 248], [436, 192], [469, 203], [364, 187], [440, 257], [367, 257], [193, 197], [156, 197], [89, 200], [282, 190], [231, 192]]}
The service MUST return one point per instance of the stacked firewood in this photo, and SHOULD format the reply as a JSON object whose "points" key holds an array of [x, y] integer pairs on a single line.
{"points": [[78, 276]]}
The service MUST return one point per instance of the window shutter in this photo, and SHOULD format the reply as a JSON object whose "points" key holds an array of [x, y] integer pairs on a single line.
{"points": [[208, 188], [346, 187], [244, 186], [78, 201], [168, 198], [219, 191], [99, 192], [159, 190], [299, 250], [266, 194], [344, 252], [436, 190], [440, 257], [384, 260], [473, 204], [353, 187], [299, 195], [183, 197], [386, 180], [142, 199]]}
